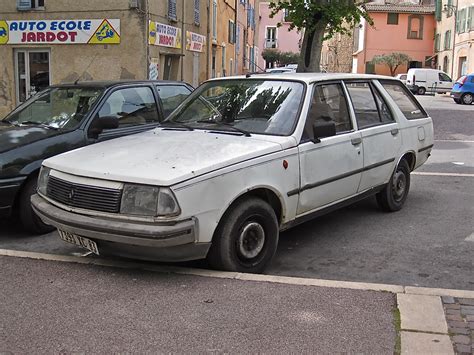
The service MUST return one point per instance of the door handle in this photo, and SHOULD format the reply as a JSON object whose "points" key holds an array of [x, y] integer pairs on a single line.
{"points": [[394, 131], [356, 141]]}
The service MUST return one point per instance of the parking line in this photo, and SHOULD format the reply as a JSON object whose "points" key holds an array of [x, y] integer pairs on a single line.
{"points": [[426, 173]]}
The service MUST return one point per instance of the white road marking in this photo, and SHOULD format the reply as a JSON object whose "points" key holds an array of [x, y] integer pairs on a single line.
{"points": [[426, 173], [458, 162], [453, 141], [470, 238]]}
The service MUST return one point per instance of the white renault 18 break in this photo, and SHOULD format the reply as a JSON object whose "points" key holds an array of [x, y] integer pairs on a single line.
{"points": [[237, 162]]}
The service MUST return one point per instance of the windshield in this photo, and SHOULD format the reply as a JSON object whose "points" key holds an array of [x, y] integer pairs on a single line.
{"points": [[246, 106], [56, 108]]}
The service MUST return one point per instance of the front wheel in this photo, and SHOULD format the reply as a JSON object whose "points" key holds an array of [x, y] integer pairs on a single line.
{"points": [[246, 238], [458, 101], [421, 90], [467, 99], [28, 218], [393, 196]]}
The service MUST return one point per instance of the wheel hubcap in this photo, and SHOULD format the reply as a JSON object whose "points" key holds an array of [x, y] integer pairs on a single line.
{"points": [[399, 185], [251, 240], [467, 99]]}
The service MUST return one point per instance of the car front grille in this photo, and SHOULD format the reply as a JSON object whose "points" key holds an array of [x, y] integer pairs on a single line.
{"points": [[84, 196]]}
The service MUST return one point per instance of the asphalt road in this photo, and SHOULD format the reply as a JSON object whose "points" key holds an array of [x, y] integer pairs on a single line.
{"points": [[430, 242], [76, 309]]}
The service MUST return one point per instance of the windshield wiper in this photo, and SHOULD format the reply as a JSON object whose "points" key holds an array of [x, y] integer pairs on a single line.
{"points": [[177, 125], [44, 125], [219, 123]]}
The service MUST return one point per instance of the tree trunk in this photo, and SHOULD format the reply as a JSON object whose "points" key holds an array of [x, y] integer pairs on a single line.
{"points": [[310, 55]]}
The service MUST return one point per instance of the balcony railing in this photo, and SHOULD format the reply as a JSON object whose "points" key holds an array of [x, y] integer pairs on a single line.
{"points": [[271, 43]]}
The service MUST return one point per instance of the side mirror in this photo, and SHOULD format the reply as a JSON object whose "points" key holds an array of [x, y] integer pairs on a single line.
{"points": [[323, 129], [101, 123]]}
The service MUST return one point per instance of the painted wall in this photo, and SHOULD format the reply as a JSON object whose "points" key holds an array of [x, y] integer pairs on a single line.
{"points": [[382, 38], [287, 41]]}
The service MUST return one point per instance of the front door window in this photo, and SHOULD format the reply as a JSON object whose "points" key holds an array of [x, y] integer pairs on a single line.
{"points": [[32, 72]]}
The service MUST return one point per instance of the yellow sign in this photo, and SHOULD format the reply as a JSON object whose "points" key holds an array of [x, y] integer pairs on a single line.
{"points": [[105, 34], [3, 32], [151, 32]]}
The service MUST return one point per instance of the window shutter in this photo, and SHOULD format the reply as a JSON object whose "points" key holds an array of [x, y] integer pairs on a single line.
{"points": [[23, 4], [197, 15], [439, 5], [172, 10]]}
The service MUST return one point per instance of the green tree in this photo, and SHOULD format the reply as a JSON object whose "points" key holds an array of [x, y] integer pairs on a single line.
{"points": [[320, 20], [392, 60], [288, 58], [271, 55]]}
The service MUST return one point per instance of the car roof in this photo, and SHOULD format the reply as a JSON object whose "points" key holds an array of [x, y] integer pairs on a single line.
{"points": [[306, 77], [111, 83]]}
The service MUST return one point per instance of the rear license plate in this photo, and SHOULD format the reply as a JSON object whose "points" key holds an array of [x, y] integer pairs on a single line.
{"points": [[78, 240]]}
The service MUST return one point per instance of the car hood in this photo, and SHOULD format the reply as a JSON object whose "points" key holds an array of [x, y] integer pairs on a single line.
{"points": [[13, 136], [162, 157]]}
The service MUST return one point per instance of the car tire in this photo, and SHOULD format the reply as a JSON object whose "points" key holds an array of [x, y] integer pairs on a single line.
{"points": [[28, 218], [457, 101], [467, 98], [421, 90], [394, 194], [246, 238]]}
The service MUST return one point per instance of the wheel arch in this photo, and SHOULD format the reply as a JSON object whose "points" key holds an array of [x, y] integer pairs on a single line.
{"points": [[410, 157]]}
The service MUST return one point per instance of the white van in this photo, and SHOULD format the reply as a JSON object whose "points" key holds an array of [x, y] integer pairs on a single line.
{"points": [[420, 81]]}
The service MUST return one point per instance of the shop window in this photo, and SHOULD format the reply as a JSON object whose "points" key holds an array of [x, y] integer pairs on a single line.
{"points": [[445, 63], [392, 19], [415, 27]]}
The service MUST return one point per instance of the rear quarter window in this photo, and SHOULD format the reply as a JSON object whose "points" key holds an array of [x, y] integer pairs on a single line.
{"points": [[404, 99]]}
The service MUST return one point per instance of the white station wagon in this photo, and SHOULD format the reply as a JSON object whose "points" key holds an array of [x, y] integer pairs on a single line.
{"points": [[238, 161]]}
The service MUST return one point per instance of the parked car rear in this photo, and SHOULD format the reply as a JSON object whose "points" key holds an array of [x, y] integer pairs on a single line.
{"points": [[463, 90]]}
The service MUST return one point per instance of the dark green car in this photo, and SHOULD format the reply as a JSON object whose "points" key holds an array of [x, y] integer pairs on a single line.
{"points": [[69, 116]]}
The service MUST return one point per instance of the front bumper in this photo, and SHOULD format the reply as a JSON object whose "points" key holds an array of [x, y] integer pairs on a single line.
{"points": [[8, 192], [455, 95], [175, 241]]}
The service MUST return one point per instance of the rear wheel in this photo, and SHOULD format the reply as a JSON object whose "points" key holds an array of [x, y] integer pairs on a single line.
{"points": [[28, 218], [421, 90], [246, 238], [467, 98], [393, 196]]}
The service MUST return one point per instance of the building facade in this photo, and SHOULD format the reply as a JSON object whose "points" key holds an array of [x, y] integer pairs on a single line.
{"points": [[336, 54], [406, 27], [270, 35], [454, 40], [44, 42], [247, 49]]}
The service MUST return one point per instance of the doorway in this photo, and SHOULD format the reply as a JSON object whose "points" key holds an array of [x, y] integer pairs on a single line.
{"points": [[32, 72]]}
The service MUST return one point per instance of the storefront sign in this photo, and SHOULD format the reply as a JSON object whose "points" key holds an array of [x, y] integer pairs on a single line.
{"points": [[98, 31], [153, 69], [160, 34], [195, 42]]}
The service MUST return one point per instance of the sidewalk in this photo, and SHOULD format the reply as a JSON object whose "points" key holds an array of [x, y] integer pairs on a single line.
{"points": [[51, 307]]}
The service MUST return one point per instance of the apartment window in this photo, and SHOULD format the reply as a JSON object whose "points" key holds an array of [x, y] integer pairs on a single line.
{"points": [[231, 35], [172, 10], [437, 42], [461, 21], [197, 14], [470, 19], [392, 19], [214, 19], [223, 61], [447, 39], [271, 37], [29, 4], [369, 68], [438, 10], [286, 14], [415, 27]]}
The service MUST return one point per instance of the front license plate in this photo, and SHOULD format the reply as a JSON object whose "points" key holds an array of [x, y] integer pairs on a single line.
{"points": [[78, 240]]}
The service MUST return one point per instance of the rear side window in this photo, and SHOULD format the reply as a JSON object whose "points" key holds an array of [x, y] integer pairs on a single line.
{"points": [[370, 109], [404, 99], [171, 96]]}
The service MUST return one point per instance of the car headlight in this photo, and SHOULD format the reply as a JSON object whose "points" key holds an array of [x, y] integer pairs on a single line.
{"points": [[142, 200], [43, 180]]}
